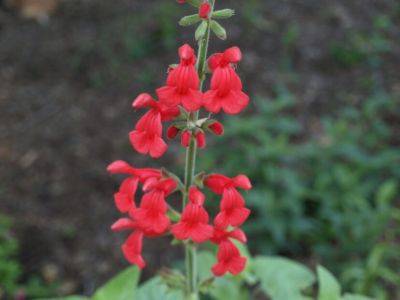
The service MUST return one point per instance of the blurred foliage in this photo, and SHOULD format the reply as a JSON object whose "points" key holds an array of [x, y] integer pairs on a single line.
{"points": [[11, 269], [331, 195], [273, 276]]}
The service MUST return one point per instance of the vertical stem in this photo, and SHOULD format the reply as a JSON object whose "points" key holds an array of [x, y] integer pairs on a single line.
{"points": [[190, 166]]}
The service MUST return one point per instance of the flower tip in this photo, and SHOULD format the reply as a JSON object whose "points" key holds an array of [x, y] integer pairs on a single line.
{"points": [[185, 138], [204, 10], [201, 139], [186, 52], [143, 100], [172, 132], [217, 128]]}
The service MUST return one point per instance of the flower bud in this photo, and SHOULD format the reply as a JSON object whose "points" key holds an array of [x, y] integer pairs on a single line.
{"points": [[219, 31], [201, 139], [204, 10], [185, 138], [223, 13], [201, 31], [217, 128], [172, 132], [189, 20]]}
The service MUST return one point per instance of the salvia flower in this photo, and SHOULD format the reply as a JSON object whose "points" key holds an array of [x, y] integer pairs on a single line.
{"points": [[183, 82], [125, 197], [229, 260], [194, 221], [147, 136], [180, 100], [226, 87], [232, 207], [151, 215]]}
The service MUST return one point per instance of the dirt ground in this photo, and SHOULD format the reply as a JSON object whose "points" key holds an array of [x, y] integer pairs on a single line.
{"points": [[65, 94]]}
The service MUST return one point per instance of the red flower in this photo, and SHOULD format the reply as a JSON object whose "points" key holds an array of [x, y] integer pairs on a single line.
{"points": [[232, 207], [125, 197], [146, 138], [200, 139], [226, 87], [172, 132], [194, 220], [204, 10], [229, 260], [132, 249], [182, 86], [217, 182], [221, 235], [196, 196], [185, 138], [151, 216], [217, 128]]}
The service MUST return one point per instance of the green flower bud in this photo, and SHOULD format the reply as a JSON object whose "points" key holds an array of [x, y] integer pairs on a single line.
{"points": [[189, 20], [219, 31], [223, 13], [201, 30]]}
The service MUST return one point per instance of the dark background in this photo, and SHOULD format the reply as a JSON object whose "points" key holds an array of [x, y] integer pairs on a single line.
{"points": [[325, 86]]}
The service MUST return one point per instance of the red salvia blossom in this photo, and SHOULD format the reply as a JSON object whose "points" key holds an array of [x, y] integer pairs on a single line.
{"points": [[222, 235], [229, 260], [125, 197], [146, 138], [226, 87], [183, 82], [180, 100], [151, 216], [132, 249], [204, 10], [194, 220], [232, 207]]}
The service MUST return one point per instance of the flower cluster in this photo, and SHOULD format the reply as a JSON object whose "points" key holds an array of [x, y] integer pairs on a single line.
{"points": [[179, 100]]}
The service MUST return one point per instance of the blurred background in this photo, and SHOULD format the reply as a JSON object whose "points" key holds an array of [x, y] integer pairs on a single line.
{"points": [[320, 140]]}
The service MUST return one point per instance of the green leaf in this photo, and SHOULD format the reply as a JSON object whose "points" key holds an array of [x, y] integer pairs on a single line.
{"points": [[155, 289], [228, 287], [189, 20], [219, 31], [281, 278], [329, 288], [121, 287], [355, 297], [223, 13], [201, 31], [67, 298]]}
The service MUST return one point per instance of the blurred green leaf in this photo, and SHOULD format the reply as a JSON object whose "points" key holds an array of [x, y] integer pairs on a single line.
{"points": [[282, 278], [121, 287], [155, 289], [329, 288]]}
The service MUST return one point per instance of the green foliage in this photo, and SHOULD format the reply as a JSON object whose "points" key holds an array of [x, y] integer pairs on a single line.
{"points": [[9, 267], [122, 287], [276, 277], [329, 195], [329, 288], [282, 278]]}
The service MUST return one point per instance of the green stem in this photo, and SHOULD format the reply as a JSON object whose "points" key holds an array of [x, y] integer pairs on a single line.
{"points": [[190, 166]]}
